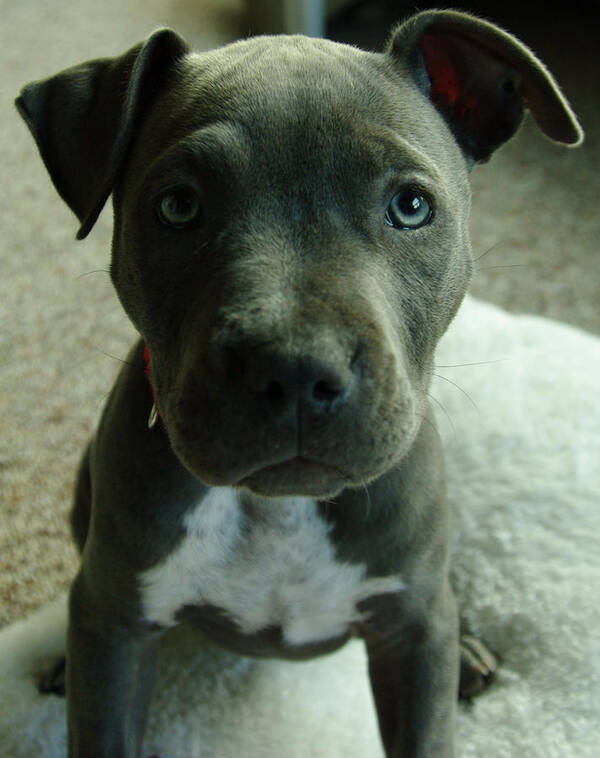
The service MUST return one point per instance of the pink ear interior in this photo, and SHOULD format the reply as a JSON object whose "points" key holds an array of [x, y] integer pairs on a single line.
{"points": [[481, 78], [445, 85], [453, 87]]}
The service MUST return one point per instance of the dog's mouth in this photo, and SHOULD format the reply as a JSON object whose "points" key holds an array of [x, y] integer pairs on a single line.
{"points": [[296, 441], [275, 473], [296, 476], [280, 470]]}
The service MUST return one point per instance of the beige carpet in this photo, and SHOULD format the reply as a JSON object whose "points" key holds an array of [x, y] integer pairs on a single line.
{"points": [[62, 331]]}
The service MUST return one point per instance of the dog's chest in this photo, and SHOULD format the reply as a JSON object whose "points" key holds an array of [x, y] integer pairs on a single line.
{"points": [[264, 564]]}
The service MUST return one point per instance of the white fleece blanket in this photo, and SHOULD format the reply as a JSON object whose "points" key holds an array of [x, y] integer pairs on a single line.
{"points": [[523, 460]]}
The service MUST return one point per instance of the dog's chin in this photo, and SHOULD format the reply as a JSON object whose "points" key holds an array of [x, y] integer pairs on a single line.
{"points": [[296, 477]]}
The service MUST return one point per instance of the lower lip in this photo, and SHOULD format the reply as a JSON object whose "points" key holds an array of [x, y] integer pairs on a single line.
{"points": [[297, 469], [300, 464]]}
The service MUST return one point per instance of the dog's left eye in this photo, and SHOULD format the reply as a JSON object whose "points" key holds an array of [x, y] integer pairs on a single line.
{"points": [[409, 209], [179, 207]]}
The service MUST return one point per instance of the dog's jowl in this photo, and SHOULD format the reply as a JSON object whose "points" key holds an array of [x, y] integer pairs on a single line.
{"points": [[290, 241]]}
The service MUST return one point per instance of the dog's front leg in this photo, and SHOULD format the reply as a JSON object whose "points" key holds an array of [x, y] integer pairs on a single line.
{"points": [[110, 672], [413, 668]]}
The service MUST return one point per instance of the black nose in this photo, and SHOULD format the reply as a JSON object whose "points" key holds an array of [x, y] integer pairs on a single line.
{"points": [[321, 384]]}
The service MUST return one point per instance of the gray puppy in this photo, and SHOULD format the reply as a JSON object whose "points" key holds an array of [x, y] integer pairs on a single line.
{"points": [[291, 241]]}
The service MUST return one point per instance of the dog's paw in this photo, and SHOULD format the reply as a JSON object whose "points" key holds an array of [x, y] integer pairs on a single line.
{"points": [[477, 667], [52, 682]]}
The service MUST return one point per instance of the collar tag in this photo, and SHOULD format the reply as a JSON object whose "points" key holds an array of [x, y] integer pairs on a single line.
{"points": [[154, 412], [153, 417]]}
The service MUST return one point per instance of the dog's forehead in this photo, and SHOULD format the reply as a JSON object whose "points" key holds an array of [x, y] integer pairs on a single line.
{"points": [[288, 87], [267, 72], [309, 119], [285, 90], [299, 96]]}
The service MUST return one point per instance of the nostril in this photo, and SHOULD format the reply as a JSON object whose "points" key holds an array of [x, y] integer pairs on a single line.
{"points": [[325, 392], [275, 392]]}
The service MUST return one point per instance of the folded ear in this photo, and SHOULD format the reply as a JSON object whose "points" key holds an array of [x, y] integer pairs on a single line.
{"points": [[83, 119], [480, 78]]}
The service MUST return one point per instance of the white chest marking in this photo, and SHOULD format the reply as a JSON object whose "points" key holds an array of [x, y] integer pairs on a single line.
{"points": [[274, 568]]}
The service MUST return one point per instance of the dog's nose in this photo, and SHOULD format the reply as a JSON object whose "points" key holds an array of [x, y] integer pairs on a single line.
{"points": [[320, 384]]}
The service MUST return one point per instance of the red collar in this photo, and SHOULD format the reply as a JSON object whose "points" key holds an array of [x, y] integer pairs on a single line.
{"points": [[147, 371]]}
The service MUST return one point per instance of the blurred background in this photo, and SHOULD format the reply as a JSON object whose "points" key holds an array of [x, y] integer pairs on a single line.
{"points": [[535, 230]]}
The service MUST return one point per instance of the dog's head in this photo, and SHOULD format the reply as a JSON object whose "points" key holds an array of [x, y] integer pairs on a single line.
{"points": [[291, 228]]}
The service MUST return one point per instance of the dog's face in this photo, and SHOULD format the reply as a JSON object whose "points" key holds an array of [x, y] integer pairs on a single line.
{"points": [[291, 261], [291, 229]]}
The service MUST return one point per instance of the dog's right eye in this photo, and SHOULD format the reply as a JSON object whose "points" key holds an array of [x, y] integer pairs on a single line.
{"points": [[409, 209], [179, 207]]}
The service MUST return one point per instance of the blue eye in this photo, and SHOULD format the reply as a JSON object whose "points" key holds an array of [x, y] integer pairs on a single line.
{"points": [[409, 209], [179, 207]]}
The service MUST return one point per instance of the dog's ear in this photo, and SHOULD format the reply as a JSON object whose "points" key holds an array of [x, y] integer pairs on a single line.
{"points": [[480, 78], [83, 119]]}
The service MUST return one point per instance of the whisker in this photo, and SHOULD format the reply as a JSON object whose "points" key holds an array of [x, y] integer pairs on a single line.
{"points": [[368, 494], [95, 271], [476, 363], [115, 357], [506, 265], [426, 418], [458, 387], [495, 246], [444, 411]]}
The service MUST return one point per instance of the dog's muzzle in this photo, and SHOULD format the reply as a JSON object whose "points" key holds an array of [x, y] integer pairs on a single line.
{"points": [[308, 409]]}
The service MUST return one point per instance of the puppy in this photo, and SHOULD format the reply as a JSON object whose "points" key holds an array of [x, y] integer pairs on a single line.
{"points": [[290, 241]]}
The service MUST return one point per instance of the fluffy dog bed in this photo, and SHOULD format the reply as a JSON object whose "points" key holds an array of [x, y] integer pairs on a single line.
{"points": [[519, 410]]}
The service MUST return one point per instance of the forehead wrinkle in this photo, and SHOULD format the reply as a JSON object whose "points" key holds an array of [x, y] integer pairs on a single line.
{"points": [[222, 141], [398, 153], [211, 147]]}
